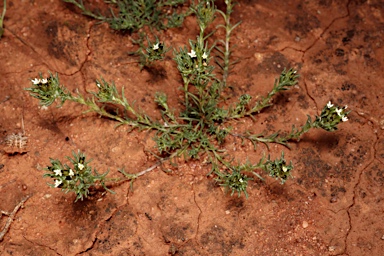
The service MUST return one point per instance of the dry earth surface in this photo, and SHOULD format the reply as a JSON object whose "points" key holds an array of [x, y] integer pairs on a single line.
{"points": [[333, 206]]}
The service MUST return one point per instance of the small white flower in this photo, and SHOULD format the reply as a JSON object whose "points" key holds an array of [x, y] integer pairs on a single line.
{"points": [[205, 56], [57, 183], [285, 169], [35, 81], [338, 111], [192, 54], [241, 180], [71, 173], [156, 47], [44, 81], [58, 172], [98, 85], [329, 104], [80, 166], [344, 118]]}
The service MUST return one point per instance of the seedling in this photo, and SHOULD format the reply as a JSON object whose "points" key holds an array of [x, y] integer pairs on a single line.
{"points": [[199, 130]]}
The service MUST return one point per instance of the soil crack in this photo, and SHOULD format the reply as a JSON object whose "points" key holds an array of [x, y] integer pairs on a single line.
{"points": [[200, 211], [101, 224], [355, 195], [89, 53], [42, 245], [41, 58], [313, 44]]}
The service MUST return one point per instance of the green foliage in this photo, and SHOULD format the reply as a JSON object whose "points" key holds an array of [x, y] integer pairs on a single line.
{"points": [[154, 51], [134, 14], [236, 181], [200, 129], [278, 168], [48, 90], [330, 117], [78, 179]]}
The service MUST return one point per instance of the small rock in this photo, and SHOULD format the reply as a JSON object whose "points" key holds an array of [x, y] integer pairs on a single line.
{"points": [[305, 224], [333, 199], [382, 238]]}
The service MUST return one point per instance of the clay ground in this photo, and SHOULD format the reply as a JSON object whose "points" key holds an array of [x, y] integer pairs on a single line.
{"points": [[333, 206]]}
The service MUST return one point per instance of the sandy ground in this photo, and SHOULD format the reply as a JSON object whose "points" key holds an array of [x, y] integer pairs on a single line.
{"points": [[333, 206]]}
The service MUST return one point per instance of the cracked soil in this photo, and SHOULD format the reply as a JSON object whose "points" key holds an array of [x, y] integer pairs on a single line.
{"points": [[333, 206]]}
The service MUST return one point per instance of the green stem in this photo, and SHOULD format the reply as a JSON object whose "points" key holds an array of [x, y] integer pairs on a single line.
{"points": [[228, 32], [2, 18], [95, 108], [186, 83], [4, 10], [85, 11]]}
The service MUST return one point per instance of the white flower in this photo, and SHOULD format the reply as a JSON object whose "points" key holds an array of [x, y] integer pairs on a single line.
{"points": [[58, 172], [285, 169], [241, 180], [156, 46], [205, 55], [71, 173], [344, 118], [57, 183], [44, 81], [98, 85], [35, 81], [329, 104], [80, 166], [338, 111], [192, 54]]}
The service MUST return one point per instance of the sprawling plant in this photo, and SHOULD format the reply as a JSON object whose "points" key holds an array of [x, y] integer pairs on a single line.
{"points": [[200, 129]]}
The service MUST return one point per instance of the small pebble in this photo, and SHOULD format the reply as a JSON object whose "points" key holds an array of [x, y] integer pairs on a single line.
{"points": [[47, 196], [305, 224]]}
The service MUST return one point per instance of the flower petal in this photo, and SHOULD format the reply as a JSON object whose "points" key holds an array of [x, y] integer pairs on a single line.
{"points": [[35, 81], [192, 54]]}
